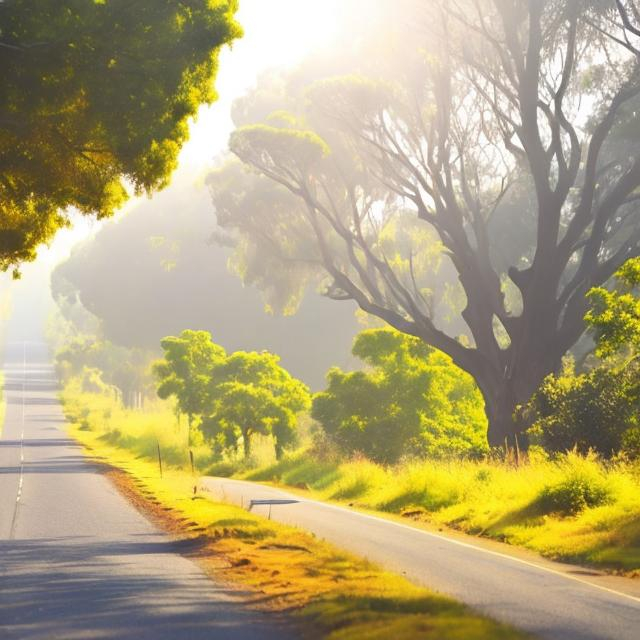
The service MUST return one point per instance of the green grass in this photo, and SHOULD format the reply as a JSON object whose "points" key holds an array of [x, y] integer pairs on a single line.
{"points": [[575, 508], [3, 404], [330, 593], [141, 432]]}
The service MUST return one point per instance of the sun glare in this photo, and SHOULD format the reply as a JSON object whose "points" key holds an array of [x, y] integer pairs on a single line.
{"points": [[279, 33]]}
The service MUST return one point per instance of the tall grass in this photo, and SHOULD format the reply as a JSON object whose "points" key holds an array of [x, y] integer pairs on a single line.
{"points": [[2, 402], [574, 508], [141, 431]]}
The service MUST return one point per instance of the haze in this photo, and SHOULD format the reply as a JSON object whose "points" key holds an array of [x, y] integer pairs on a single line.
{"points": [[320, 319]]}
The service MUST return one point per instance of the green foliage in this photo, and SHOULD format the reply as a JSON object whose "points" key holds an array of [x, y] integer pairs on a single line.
{"points": [[234, 397], [615, 315], [583, 486], [592, 410], [412, 401], [250, 393], [598, 409], [96, 95], [100, 364], [185, 371]]}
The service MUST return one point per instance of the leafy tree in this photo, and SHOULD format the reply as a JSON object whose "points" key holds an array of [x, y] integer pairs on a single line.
{"points": [[522, 112], [412, 401], [101, 361], [615, 315], [96, 95], [596, 410], [186, 369], [251, 393]]}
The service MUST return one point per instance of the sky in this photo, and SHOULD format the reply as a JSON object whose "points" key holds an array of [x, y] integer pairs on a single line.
{"points": [[277, 33]]}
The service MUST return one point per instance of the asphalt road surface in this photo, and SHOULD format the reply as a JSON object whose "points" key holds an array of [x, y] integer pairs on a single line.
{"points": [[542, 599], [76, 559]]}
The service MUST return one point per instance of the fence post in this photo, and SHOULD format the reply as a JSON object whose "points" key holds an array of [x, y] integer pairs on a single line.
{"points": [[159, 458], [193, 472]]}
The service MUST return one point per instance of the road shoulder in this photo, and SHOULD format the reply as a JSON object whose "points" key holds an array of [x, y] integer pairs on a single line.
{"points": [[326, 591]]}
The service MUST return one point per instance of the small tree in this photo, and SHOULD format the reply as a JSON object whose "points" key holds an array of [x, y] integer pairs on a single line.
{"points": [[185, 371], [412, 400], [251, 393]]}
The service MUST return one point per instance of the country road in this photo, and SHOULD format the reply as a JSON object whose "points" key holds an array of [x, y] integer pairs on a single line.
{"points": [[77, 561], [538, 598]]}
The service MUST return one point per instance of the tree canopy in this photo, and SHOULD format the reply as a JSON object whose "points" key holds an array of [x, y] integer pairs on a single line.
{"points": [[250, 393], [96, 97], [231, 397], [412, 400], [185, 370], [507, 130]]}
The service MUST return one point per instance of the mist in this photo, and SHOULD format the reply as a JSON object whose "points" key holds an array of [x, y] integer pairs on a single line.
{"points": [[317, 317]]}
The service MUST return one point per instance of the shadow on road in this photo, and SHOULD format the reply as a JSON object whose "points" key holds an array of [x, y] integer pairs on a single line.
{"points": [[57, 465], [45, 442], [71, 585]]}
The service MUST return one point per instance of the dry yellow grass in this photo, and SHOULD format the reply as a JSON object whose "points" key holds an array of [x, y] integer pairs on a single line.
{"points": [[575, 508], [331, 594]]}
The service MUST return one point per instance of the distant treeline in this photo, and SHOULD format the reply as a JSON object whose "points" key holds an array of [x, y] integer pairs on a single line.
{"points": [[152, 273]]}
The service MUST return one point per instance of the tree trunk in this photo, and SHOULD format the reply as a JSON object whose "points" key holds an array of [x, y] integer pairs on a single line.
{"points": [[246, 442], [503, 428], [502, 396]]}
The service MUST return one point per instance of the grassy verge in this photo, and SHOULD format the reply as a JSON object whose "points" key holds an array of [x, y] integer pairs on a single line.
{"points": [[3, 404], [139, 431], [331, 593], [574, 509]]}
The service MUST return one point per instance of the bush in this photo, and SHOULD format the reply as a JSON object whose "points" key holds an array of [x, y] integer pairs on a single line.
{"points": [[590, 411], [411, 401], [582, 484]]}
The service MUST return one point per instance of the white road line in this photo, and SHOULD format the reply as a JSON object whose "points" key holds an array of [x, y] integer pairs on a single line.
{"points": [[21, 479], [505, 556]]}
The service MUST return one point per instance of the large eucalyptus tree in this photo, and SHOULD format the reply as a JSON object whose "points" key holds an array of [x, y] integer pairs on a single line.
{"points": [[508, 131]]}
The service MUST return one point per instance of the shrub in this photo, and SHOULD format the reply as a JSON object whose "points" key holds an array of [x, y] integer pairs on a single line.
{"points": [[411, 401], [590, 411], [581, 484]]}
